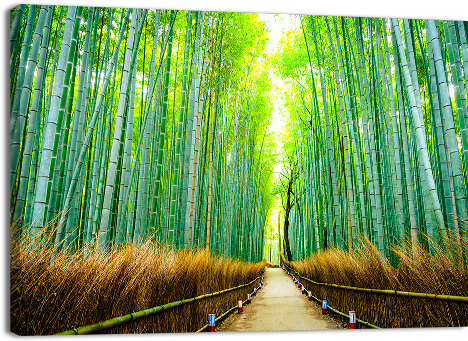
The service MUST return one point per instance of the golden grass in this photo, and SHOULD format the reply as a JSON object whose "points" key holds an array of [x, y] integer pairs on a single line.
{"points": [[53, 294], [416, 272]]}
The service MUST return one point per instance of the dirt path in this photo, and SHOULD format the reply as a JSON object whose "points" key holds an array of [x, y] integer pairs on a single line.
{"points": [[278, 306]]}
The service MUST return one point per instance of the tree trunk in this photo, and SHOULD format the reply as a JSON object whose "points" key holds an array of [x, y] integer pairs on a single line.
{"points": [[287, 248], [279, 232]]}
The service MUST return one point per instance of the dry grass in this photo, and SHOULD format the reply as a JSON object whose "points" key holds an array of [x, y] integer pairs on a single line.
{"points": [[53, 294], [418, 272]]}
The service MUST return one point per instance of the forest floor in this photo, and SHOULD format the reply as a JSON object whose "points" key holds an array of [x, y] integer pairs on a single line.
{"points": [[279, 305]]}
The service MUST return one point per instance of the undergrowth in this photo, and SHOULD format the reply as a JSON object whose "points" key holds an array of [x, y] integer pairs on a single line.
{"points": [[53, 293], [417, 271]]}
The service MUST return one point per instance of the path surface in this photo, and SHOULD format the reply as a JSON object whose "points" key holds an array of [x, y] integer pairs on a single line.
{"points": [[279, 305]]}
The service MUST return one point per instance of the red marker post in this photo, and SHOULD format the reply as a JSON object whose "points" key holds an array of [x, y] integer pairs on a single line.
{"points": [[324, 307], [352, 319], [249, 298], [303, 290], [211, 322], [240, 308], [310, 295]]}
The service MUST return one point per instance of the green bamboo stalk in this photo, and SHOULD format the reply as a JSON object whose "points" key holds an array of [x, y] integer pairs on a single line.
{"points": [[23, 84], [180, 125], [392, 205], [459, 89], [400, 219], [370, 147], [33, 118], [355, 135], [99, 144], [464, 50], [54, 124], [199, 107], [330, 150], [23, 59], [319, 241], [104, 235], [452, 143], [15, 27], [344, 105], [419, 130], [196, 60], [419, 162], [33, 169], [133, 172], [57, 178], [445, 181], [404, 137], [61, 135], [140, 218], [89, 134], [162, 127]]}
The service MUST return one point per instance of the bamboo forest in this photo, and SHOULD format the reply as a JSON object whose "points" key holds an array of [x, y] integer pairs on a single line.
{"points": [[161, 157]]}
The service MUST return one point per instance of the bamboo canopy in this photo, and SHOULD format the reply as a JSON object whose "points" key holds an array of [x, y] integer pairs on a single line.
{"points": [[128, 125], [376, 135], [125, 126]]}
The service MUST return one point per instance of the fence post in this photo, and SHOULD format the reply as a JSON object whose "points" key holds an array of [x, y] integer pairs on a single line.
{"points": [[324, 307], [240, 308], [352, 319], [211, 322]]}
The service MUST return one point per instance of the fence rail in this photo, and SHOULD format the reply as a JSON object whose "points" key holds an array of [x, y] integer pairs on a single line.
{"points": [[142, 313], [217, 319], [387, 292], [333, 309]]}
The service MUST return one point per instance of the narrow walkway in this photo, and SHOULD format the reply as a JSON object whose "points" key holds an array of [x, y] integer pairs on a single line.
{"points": [[279, 305]]}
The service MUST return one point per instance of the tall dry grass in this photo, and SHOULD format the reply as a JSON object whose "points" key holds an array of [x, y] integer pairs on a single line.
{"points": [[51, 294], [415, 272]]}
